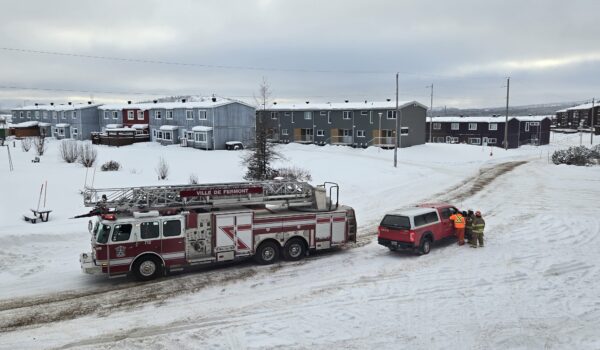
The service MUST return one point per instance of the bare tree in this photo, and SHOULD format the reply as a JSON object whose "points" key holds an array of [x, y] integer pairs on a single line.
{"points": [[26, 144], [40, 144], [259, 158], [68, 150], [162, 169], [294, 173], [193, 179], [87, 154]]}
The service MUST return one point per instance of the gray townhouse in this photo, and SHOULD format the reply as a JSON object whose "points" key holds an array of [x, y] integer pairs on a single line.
{"points": [[75, 121], [357, 124], [583, 116], [207, 124]]}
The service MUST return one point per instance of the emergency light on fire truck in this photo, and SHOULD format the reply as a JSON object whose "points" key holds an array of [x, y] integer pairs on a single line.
{"points": [[151, 230]]}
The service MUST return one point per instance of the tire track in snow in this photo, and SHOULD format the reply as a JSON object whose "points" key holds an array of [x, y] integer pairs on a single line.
{"points": [[18, 313]]}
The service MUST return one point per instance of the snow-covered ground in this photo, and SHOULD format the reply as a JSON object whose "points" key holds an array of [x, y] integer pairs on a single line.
{"points": [[533, 286]]}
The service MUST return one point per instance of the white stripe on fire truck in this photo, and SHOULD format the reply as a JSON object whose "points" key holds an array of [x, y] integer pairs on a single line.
{"points": [[176, 255], [284, 223], [120, 262]]}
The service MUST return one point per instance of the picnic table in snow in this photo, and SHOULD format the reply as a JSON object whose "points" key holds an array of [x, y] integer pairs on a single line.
{"points": [[42, 215]]}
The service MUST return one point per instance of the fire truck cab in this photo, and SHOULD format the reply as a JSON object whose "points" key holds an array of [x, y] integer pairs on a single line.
{"points": [[150, 243]]}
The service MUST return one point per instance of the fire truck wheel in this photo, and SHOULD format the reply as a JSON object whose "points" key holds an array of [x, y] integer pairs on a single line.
{"points": [[294, 249], [147, 268], [267, 253]]}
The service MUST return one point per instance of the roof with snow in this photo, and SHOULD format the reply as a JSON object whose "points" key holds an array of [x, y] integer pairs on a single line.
{"points": [[114, 126], [62, 125], [171, 105], [579, 107], [140, 126], [61, 107], [343, 106], [25, 124], [201, 128], [488, 119], [169, 127]]}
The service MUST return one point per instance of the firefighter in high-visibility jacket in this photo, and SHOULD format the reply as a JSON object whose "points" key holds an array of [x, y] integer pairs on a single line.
{"points": [[459, 227], [478, 226]]}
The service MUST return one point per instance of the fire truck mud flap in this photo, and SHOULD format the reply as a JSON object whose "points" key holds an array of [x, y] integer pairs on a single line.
{"points": [[87, 264]]}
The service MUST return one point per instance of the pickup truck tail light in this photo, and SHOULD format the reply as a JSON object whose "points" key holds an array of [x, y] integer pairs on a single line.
{"points": [[411, 235]]}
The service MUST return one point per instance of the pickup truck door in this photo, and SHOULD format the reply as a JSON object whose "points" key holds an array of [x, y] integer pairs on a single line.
{"points": [[447, 224]]}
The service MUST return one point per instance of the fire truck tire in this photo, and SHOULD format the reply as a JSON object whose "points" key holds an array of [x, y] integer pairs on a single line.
{"points": [[294, 249], [267, 253], [147, 268]]}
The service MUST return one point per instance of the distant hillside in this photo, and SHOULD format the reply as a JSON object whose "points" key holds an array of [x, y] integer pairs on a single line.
{"points": [[537, 109]]}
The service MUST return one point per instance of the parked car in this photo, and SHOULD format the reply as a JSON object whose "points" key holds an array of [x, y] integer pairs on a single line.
{"points": [[416, 228], [234, 145]]}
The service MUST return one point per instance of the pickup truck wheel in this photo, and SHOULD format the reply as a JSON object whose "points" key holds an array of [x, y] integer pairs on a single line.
{"points": [[425, 246], [267, 253], [294, 249], [147, 268]]}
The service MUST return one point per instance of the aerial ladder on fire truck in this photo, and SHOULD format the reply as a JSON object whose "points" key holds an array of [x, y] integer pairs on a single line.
{"points": [[293, 194]]}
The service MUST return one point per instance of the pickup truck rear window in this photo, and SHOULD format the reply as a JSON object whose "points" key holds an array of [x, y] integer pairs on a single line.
{"points": [[396, 222]]}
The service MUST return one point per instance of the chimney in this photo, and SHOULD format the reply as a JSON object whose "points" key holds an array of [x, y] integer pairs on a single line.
{"points": [[275, 102], [51, 103], [387, 99], [89, 102], [214, 99], [128, 102], [346, 101], [154, 101], [307, 102], [70, 103], [183, 100], [365, 101], [36, 104]]}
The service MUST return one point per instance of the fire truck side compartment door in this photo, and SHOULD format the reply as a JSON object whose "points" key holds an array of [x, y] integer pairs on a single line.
{"points": [[224, 232], [243, 233], [323, 231], [338, 228]]}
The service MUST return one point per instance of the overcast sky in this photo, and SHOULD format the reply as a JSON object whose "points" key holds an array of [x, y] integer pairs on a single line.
{"points": [[322, 51]]}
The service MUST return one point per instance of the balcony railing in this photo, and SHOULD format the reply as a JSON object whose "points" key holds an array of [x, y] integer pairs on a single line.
{"points": [[383, 141], [305, 138], [343, 140]]}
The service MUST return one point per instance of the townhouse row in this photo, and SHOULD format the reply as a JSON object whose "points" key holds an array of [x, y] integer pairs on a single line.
{"points": [[583, 116]]}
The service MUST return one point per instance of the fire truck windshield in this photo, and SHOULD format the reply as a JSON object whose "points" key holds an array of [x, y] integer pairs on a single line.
{"points": [[103, 233]]}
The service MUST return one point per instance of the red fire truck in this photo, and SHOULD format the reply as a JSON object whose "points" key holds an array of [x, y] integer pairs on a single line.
{"points": [[149, 231]]}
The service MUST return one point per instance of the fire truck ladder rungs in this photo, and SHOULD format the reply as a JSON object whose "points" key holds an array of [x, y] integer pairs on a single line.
{"points": [[291, 193]]}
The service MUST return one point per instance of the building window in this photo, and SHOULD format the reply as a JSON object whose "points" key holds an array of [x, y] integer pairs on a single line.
{"points": [[154, 133], [320, 133], [284, 132], [474, 140], [63, 115], [202, 115], [74, 133], [28, 115], [455, 126], [106, 115], [364, 113], [493, 126], [167, 135], [168, 114], [472, 126], [292, 117], [440, 139], [157, 115], [307, 115], [130, 115], [287, 114], [391, 114], [159, 135], [21, 115], [115, 115], [61, 131], [44, 115], [404, 131], [328, 118], [491, 141], [437, 126], [140, 115], [347, 115], [200, 137], [370, 118], [323, 113], [190, 135], [37, 115], [273, 115], [360, 133]]}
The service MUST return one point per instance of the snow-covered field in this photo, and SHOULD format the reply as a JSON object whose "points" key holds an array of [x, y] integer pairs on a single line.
{"points": [[533, 286]]}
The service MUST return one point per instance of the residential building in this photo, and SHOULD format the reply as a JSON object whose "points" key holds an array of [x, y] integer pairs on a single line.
{"points": [[582, 116], [487, 130], [75, 121], [357, 124]]}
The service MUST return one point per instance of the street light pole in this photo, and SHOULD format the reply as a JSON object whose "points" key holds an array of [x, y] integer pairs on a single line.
{"points": [[506, 119], [592, 123], [431, 112], [398, 138], [379, 132]]}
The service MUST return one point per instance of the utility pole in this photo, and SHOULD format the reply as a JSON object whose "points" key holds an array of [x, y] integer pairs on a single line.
{"points": [[430, 112], [397, 133], [506, 119], [592, 123]]}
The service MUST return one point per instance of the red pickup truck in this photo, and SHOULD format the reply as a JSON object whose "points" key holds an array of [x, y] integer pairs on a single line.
{"points": [[416, 228]]}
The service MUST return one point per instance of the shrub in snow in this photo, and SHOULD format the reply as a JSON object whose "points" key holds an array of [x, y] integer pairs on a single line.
{"points": [[40, 145], [193, 179], [111, 165], [87, 154], [68, 150], [294, 173], [26, 144], [162, 169], [579, 155]]}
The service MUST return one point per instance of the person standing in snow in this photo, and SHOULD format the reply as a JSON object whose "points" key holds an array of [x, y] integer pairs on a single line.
{"points": [[478, 226], [459, 227], [469, 226]]}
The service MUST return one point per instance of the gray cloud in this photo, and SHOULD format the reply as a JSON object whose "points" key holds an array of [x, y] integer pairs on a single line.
{"points": [[465, 48]]}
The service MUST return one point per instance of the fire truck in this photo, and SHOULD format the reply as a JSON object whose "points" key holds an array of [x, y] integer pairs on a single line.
{"points": [[150, 231]]}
